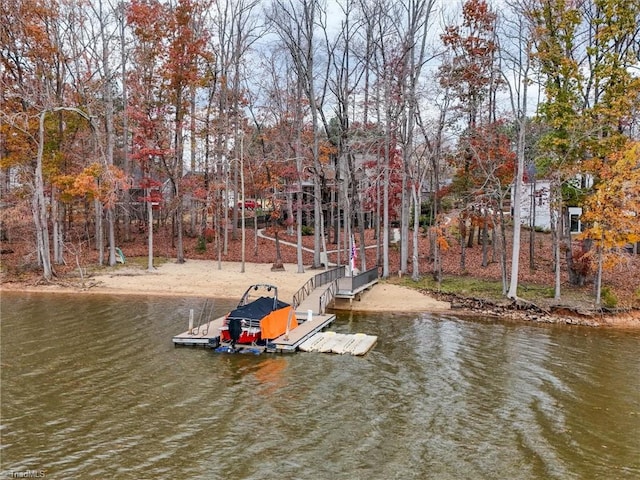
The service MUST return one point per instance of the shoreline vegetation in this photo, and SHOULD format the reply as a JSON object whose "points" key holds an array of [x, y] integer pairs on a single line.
{"points": [[210, 271], [224, 280]]}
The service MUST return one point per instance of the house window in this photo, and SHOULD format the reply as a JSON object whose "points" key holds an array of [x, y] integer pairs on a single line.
{"points": [[575, 225]]}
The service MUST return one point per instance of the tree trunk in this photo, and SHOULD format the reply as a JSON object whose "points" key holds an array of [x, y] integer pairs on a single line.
{"points": [[111, 232], [485, 239], [125, 122], [109, 137], [516, 201], [404, 221], [149, 232], [255, 234], [39, 209], [385, 197], [472, 234], [277, 265], [556, 229], [503, 251], [463, 252], [179, 230], [299, 233], [416, 233], [599, 275], [217, 228], [176, 173], [99, 230], [58, 234], [532, 230]]}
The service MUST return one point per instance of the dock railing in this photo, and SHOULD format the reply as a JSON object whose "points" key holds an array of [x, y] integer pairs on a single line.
{"points": [[317, 281], [363, 279], [327, 296]]}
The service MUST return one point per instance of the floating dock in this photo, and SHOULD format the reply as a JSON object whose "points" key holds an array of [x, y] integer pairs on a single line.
{"points": [[310, 303], [208, 335], [340, 343]]}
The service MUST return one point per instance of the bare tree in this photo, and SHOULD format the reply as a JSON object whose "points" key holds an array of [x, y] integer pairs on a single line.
{"points": [[517, 71], [296, 25], [418, 13]]}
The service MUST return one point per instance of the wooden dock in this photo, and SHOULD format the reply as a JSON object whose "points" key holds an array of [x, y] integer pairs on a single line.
{"points": [[208, 334], [311, 300], [290, 342]]}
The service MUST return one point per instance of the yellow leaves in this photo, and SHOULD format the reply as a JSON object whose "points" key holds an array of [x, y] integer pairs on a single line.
{"points": [[86, 184], [325, 152], [613, 210], [94, 181]]}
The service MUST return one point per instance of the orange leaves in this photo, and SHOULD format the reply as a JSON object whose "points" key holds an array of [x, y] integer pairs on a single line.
{"points": [[94, 181], [326, 149], [146, 18], [486, 162], [168, 41], [473, 46], [612, 212], [441, 233], [443, 244]]}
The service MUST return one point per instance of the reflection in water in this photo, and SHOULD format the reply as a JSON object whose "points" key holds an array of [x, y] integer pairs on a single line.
{"points": [[92, 386]]}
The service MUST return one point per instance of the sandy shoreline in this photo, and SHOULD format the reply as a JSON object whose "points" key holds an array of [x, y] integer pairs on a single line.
{"points": [[204, 278], [207, 279]]}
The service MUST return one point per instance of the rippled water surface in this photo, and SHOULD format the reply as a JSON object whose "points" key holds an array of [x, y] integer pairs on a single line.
{"points": [[93, 387]]}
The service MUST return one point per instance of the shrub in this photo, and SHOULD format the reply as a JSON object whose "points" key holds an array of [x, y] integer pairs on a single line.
{"points": [[201, 247], [209, 234], [608, 298]]}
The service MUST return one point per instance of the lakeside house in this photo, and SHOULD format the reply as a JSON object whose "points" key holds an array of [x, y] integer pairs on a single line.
{"points": [[535, 207]]}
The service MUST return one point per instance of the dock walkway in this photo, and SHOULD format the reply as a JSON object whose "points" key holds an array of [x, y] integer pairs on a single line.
{"points": [[350, 288], [310, 303]]}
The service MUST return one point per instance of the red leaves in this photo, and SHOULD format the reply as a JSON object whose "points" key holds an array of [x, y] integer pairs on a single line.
{"points": [[470, 70], [486, 162]]}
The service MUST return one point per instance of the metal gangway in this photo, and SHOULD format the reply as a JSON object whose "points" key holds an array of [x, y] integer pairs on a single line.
{"points": [[321, 290]]}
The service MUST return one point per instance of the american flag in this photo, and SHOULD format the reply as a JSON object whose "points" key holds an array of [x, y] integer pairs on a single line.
{"points": [[354, 252]]}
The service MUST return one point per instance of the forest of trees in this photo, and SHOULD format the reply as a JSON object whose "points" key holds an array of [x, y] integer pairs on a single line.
{"points": [[387, 114]]}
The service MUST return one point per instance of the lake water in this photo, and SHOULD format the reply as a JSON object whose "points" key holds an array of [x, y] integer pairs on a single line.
{"points": [[92, 387]]}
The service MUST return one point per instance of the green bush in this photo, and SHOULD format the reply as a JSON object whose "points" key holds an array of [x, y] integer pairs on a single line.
{"points": [[201, 247], [425, 221], [307, 230], [608, 298], [446, 204]]}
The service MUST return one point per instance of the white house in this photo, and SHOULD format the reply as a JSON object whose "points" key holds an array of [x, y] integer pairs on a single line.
{"points": [[535, 204], [535, 207]]}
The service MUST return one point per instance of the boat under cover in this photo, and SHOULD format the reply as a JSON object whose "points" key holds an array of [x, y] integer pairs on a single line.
{"points": [[255, 321]]}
